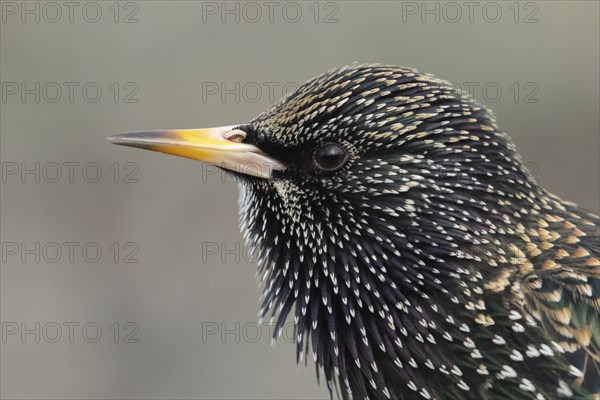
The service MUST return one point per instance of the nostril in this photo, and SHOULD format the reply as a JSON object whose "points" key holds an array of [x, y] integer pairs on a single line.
{"points": [[235, 135]]}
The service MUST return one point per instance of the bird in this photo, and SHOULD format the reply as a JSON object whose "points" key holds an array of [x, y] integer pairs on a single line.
{"points": [[399, 227]]}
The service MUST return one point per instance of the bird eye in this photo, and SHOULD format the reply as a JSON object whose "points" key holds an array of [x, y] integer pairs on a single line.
{"points": [[330, 156]]}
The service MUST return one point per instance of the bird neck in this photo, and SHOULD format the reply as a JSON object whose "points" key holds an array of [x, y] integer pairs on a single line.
{"points": [[420, 292]]}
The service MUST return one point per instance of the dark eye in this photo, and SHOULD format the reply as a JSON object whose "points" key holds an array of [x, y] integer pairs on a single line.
{"points": [[330, 157]]}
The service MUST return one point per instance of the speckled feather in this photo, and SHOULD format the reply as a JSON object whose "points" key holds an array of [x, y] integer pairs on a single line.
{"points": [[431, 265]]}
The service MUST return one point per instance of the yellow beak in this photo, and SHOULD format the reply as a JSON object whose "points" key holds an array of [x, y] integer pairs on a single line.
{"points": [[221, 146]]}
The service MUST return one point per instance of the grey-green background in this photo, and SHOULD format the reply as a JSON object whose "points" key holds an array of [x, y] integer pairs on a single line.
{"points": [[178, 206]]}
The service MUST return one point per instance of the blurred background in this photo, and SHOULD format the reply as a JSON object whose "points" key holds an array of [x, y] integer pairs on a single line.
{"points": [[123, 274]]}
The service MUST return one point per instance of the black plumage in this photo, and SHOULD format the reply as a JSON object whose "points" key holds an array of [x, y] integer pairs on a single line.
{"points": [[418, 258]]}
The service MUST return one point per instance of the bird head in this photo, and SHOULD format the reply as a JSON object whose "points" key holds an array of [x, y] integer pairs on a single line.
{"points": [[363, 191]]}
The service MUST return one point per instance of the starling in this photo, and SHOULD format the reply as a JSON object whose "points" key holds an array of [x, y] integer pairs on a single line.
{"points": [[403, 232]]}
